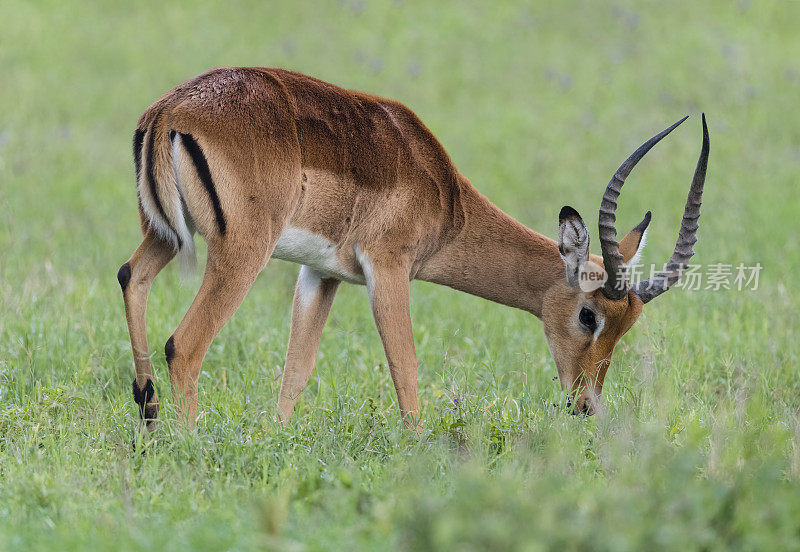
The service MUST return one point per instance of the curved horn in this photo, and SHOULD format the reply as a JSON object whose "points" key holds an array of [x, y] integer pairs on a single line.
{"points": [[616, 286], [687, 236]]}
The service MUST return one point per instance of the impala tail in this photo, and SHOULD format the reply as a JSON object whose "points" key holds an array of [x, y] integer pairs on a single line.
{"points": [[159, 191]]}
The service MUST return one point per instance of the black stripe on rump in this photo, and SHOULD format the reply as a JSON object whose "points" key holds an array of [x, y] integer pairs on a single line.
{"points": [[204, 173], [151, 179], [138, 142]]}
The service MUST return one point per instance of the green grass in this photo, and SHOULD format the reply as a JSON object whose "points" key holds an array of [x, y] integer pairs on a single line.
{"points": [[537, 104]]}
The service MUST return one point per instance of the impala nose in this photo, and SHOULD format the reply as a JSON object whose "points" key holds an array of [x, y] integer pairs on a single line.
{"points": [[583, 407]]}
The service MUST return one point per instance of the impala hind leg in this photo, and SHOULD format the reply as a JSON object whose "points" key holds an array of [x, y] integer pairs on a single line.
{"points": [[313, 297], [230, 272], [389, 294], [135, 278]]}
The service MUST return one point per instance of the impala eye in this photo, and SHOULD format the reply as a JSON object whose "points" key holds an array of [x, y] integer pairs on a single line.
{"points": [[588, 319]]}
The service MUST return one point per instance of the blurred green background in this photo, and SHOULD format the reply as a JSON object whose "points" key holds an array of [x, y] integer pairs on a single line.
{"points": [[537, 103]]}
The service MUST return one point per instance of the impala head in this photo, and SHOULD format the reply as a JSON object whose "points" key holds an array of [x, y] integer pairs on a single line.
{"points": [[587, 312]]}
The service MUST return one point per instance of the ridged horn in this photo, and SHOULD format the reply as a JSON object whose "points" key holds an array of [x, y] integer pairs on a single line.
{"points": [[616, 285], [687, 236]]}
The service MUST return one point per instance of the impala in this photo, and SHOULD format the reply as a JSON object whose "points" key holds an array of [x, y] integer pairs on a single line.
{"points": [[270, 163]]}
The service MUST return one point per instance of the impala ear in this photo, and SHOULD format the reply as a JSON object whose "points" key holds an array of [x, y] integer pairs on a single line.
{"points": [[633, 243], [573, 242]]}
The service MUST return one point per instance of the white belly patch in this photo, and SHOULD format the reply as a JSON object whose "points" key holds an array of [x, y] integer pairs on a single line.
{"points": [[306, 248]]}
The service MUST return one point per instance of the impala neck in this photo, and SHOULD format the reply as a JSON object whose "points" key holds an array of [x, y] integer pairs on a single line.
{"points": [[496, 257]]}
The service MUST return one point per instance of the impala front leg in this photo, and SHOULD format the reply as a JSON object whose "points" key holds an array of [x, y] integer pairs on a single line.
{"points": [[388, 288], [313, 297]]}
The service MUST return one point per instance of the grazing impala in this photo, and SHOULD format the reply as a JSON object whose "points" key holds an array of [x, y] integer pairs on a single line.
{"points": [[267, 162]]}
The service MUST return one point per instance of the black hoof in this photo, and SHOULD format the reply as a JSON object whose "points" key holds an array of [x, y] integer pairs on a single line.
{"points": [[147, 411]]}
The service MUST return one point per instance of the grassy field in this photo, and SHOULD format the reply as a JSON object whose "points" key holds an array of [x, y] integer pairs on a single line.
{"points": [[537, 104]]}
